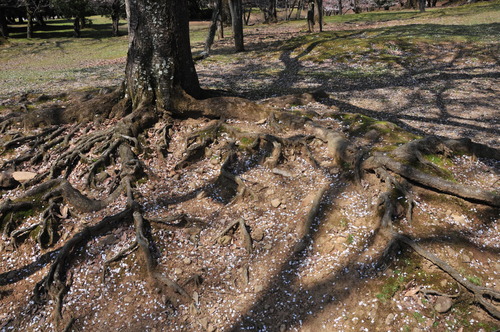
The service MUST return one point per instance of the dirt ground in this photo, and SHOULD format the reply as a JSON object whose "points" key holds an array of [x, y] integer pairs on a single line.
{"points": [[340, 274]]}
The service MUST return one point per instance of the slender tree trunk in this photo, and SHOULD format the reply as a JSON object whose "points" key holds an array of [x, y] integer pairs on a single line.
{"points": [[116, 21], [76, 27], [319, 10], [273, 15], [421, 5], [115, 17], [4, 29], [213, 26], [29, 26], [310, 16], [159, 59], [340, 8], [237, 22]]}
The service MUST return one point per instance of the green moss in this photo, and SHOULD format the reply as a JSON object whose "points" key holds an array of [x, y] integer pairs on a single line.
{"points": [[350, 239], [475, 280], [391, 286], [419, 317], [246, 141], [438, 160]]}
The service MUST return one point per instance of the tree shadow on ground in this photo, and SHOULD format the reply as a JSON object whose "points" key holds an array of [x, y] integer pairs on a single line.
{"points": [[425, 77], [64, 29]]}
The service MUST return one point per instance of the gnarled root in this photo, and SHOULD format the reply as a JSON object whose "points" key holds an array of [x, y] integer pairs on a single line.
{"points": [[481, 294]]}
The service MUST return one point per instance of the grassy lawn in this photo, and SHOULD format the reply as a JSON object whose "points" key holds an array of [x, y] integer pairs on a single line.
{"points": [[391, 41]]}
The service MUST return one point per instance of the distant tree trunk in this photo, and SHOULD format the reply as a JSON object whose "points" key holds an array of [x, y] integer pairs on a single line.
{"points": [[76, 27], [421, 5], [83, 22], [273, 14], [319, 10], [237, 22], [115, 22], [115, 17], [300, 7], [4, 29], [341, 10], [310, 16], [411, 4], [29, 26], [159, 58], [217, 7]]}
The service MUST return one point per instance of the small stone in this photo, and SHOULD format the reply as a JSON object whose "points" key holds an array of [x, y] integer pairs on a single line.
{"points": [[443, 304], [177, 271], [257, 234], [282, 172], [187, 261], [224, 240], [444, 283], [23, 176], [275, 202], [259, 288], [282, 328], [466, 258], [268, 246], [389, 319]]}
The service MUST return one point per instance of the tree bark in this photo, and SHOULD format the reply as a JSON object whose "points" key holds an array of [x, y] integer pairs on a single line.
{"points": [[159, 59], [213, 26], [237, 22], [319, 8], [29, 25]]}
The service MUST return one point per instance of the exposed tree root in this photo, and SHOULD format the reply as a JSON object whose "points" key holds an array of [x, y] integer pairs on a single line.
{"points": [[481, 294], [245, 236], [119, 146]]}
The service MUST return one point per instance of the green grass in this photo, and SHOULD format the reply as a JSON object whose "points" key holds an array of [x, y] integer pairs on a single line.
{"points": [[370, 51]]}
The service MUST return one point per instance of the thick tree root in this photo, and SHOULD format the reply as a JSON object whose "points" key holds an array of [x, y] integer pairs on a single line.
{"points": [[144, 246], [50, 286], [431, 181], [481, 294]]}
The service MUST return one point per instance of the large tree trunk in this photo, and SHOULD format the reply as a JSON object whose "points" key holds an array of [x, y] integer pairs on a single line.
{"points": [[159, 58], [237, 22]]}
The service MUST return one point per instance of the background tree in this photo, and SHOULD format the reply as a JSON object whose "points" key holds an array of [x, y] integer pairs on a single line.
{"points": [[76, 9], [115, 9], [236, 10]]}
